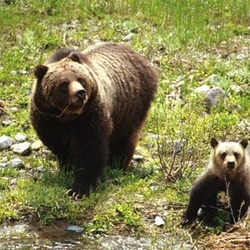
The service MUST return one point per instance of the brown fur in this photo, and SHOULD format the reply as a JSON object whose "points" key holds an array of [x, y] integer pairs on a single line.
{"points": [[228, 170], [89, 107]]}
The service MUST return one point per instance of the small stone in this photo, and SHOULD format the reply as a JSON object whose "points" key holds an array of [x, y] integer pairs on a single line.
{"points": [[3, 164], [23, 148], [159, 221], [6, 122], [128, 37], [5, 142], [177, 147], [154, 187], [22, 72], [20, 137], [36, 145], [213, 78], [237, 89], [40, 169], [14, 110], [202, 89], [239, 57], [74, 229], [16, 163], [13, 181], [138, 158]]}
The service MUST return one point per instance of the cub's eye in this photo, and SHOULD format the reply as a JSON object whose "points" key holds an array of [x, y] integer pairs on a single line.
{"points": [[63, 86], [81, 80], [223, 155], [236, 155]]}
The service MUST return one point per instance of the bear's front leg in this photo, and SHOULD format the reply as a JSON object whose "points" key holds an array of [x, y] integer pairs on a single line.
{"points": [[87, 167], [90, 152], [203, 191], [239, 200]]}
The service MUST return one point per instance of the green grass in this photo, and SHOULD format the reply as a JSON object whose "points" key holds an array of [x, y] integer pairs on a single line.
{"points": [[187, 41]]}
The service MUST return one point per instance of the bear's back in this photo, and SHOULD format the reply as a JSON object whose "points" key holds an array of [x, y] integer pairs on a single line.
{"points": [[124, 78]]}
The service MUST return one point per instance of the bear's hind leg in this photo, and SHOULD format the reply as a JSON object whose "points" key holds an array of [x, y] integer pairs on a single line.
{"points": [[122, 151]]}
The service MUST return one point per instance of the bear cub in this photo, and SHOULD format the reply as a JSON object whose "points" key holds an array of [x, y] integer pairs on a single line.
{"points": [[88, 108], [229, 171]]}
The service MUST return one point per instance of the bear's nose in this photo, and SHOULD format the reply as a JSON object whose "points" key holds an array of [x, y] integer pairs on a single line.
{"points": [[81, 94], [230, 165]]}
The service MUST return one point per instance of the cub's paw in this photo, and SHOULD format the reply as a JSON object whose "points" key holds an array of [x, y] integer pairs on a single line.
{"points": [[186, 221]]}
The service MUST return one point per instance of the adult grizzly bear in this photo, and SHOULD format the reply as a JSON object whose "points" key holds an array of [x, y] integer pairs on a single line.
{"points": [[88, 108], [229, 171]]}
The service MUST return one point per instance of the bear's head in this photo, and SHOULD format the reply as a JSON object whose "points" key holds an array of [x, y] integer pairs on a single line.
{"points": [[62, 88], [229, 156]]}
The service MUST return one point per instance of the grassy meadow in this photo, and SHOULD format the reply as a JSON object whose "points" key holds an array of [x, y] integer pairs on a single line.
{"points": [[187, 42]]}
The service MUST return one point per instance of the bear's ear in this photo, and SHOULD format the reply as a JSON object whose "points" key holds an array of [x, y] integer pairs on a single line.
{"points": [[75, 57], [244, 143], [214, 142], [40, 71]]}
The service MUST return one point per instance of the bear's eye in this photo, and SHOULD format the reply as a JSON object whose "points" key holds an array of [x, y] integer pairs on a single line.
{"points": [[236, 155], [223, 155], [63, 86], [81, 80]]}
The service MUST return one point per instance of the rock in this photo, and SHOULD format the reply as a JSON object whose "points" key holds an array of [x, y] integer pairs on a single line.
{"points": [[3, 165], [159, 221], [138, 158], [13, 181], [36, 145], [128, 37], [237, 89], [213, 78], [5, 142], [154, 187], [202, 89], [22, 72], [16, 163], [23, 148], [177, 147], [6, 122], [239, 57], [20, 137], [40, 169], [74, 229], [14, 109], [213, 97]]}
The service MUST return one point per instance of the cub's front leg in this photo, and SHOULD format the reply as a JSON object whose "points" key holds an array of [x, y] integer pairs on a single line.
{"points": [[204, 191]]}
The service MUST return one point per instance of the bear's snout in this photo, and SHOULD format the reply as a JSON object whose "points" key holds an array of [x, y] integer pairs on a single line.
{"points": [[81, 94], [77, 92], [231, 165]]}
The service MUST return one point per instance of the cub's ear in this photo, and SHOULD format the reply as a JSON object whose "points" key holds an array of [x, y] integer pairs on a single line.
{"points": [[40, 71], [214, 142], [244, 143], [75, 57]]}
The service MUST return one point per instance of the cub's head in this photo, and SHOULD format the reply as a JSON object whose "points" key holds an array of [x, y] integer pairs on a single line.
{"points": [[62, 88], [229, 156]]}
